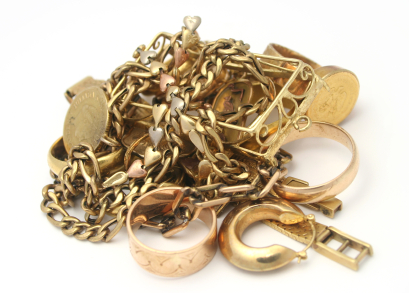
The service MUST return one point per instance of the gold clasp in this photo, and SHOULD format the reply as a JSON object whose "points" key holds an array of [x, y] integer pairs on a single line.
{"points": [[304, 234], [321, 246]]}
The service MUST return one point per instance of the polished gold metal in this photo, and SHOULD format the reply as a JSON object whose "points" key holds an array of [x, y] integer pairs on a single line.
{"points": [[330, 189], [229, 99], [80, 86], [331, 106], [303, 233], [87, 119], [202, 142], [109, 163], [346, 241], [264, 258], [328, 207], [168, 263]]}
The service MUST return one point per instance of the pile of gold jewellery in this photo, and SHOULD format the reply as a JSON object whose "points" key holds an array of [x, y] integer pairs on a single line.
{"points": [[201, 145]]}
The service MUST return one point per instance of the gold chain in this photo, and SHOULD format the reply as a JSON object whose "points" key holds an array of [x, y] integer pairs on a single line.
{"points": [[223, 176]]}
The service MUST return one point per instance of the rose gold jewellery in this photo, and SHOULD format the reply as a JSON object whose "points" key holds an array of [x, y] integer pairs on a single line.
{"points": [[169, 263], [263, 258], [322, 192]]}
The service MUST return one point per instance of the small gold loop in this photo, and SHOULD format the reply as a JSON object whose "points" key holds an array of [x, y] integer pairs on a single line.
{"points": [[305, 127]]}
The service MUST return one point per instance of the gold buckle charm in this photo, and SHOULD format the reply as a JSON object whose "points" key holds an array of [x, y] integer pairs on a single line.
{"points": [[303, 233], [321, 246]]}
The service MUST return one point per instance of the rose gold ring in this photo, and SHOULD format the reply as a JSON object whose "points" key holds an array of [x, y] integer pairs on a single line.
{"points": [[169, 263], [330, 189]]}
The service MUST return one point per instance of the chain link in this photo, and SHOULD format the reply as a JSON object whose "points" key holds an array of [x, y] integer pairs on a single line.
{"points": [[227, 181]]}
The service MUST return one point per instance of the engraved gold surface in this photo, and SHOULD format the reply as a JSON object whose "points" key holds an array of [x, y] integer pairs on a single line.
{"points": [[80, 86], [87, 118], [300, 232], [335, 105], [169, 263]]}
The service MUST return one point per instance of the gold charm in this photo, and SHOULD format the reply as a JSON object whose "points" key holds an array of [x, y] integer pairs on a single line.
{"points": [[136, 170], [158, 112], [181, 57], [157, 67], [87, 119], [116, 179], [205, 168], [189, 39], [151, 156], [187, 124], [196, 140]]}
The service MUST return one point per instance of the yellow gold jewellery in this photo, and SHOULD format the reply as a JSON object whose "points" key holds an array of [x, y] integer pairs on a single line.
{"points": [[264, 258], [181, 132]]}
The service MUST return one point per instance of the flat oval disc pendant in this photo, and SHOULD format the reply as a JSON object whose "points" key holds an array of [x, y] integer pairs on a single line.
{"points": [[87, 118]]}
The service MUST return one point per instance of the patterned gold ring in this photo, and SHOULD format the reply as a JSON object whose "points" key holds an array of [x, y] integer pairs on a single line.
{"points": [[169, 263]]}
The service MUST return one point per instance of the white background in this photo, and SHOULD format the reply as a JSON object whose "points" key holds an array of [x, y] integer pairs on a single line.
{"points": [[46, 46]]}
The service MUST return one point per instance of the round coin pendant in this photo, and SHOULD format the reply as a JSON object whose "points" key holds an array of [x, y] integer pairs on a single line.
{"points": [[87, 118], [335, 105]]}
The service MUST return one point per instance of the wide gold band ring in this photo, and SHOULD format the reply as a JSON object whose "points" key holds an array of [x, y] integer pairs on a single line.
{"points": [[331, 188], [169, 263], [261, 258]]}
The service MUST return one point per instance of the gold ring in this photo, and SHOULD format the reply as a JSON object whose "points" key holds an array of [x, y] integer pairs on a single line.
{"points": [[331, 188], [263, 258], [109, 163], [56, 156], [169, 263], [331, 106]]}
